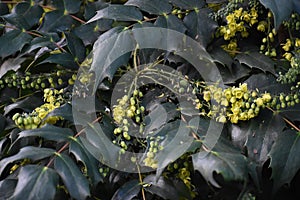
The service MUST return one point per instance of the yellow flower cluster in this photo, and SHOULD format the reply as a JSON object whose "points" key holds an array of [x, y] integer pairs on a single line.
{"points": [[38, 117], [234, 103], [289, 46], [236, 23]]}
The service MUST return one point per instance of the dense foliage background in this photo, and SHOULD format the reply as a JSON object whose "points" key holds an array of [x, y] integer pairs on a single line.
{"points": [[47, 46]]}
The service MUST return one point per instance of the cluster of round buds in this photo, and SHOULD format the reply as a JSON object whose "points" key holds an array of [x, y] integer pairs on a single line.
{"points": [[283, 101], [38, 117], [224, 11], [154, 147], [267, 46], [180, 13], [127, 110], [35, 81], [234, 103], [293, 23]]}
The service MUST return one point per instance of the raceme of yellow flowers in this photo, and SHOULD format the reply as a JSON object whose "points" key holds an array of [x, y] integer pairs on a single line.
{"points": [[38, 117]]}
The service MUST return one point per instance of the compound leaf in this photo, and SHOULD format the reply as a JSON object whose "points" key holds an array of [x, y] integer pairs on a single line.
{"points": [[155, 7], [33, 153], [76, 183], [285, 160], [36, 182], [118, 13]]}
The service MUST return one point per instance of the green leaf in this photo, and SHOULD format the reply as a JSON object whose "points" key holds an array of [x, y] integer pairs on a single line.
{"points": [[27, 104], [292, 113], [257, 60], [118, 13], [56, 21], [222, 57], [177, 143], [25, 15], [83, 155], [200, 26], [170, 22], [76, 183], [49, 132], [89, 33], [161, 187], [69, 6], [127, 191], [65, 59], [11, 64], [12, 42], [258, 135], [33, 153], [48, 40], [154, 7], [7, 188], [266, 82], [76, 47], [285, 160], [281, 9], [232, 166], [188, 5], [36, 182]]}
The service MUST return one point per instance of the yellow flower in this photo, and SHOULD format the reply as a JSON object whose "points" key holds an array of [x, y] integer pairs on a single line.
{"points": [[240, 27], [238, 13], [243, 116], [253, 21], [234, 118], [230, 18], [262, 26], [287, 45], [259, 102], [227, 93], [206, 95], [246, 16], [224, 102], [222, 30], [244, 34], [288, 56], [266, 97], [253, 12], [221, 119], [297, 42], [237, 92], [244, 87]]}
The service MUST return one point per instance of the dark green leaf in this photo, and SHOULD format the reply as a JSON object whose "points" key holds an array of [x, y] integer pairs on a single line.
{"points": [[188, 5], [27, 104], [76, 47], [56, 21], [82, 154], [7, 188], [177, 142], [92, 7], [11, 64], [232, 166], [280, 9], [76, 183], [119, 13], [154, 7], [170, 22], [13, 41], [200, 26], [69, 6], [266, 82], [33, 153], [161, 187], [64, 59], [25, 15], [36, 182], [89, 33], [127, 191], [285, 159], [292, 113], [258, 135], [222, 57], [49, 132], [257, 60], [46, 41], [2, 124]]}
